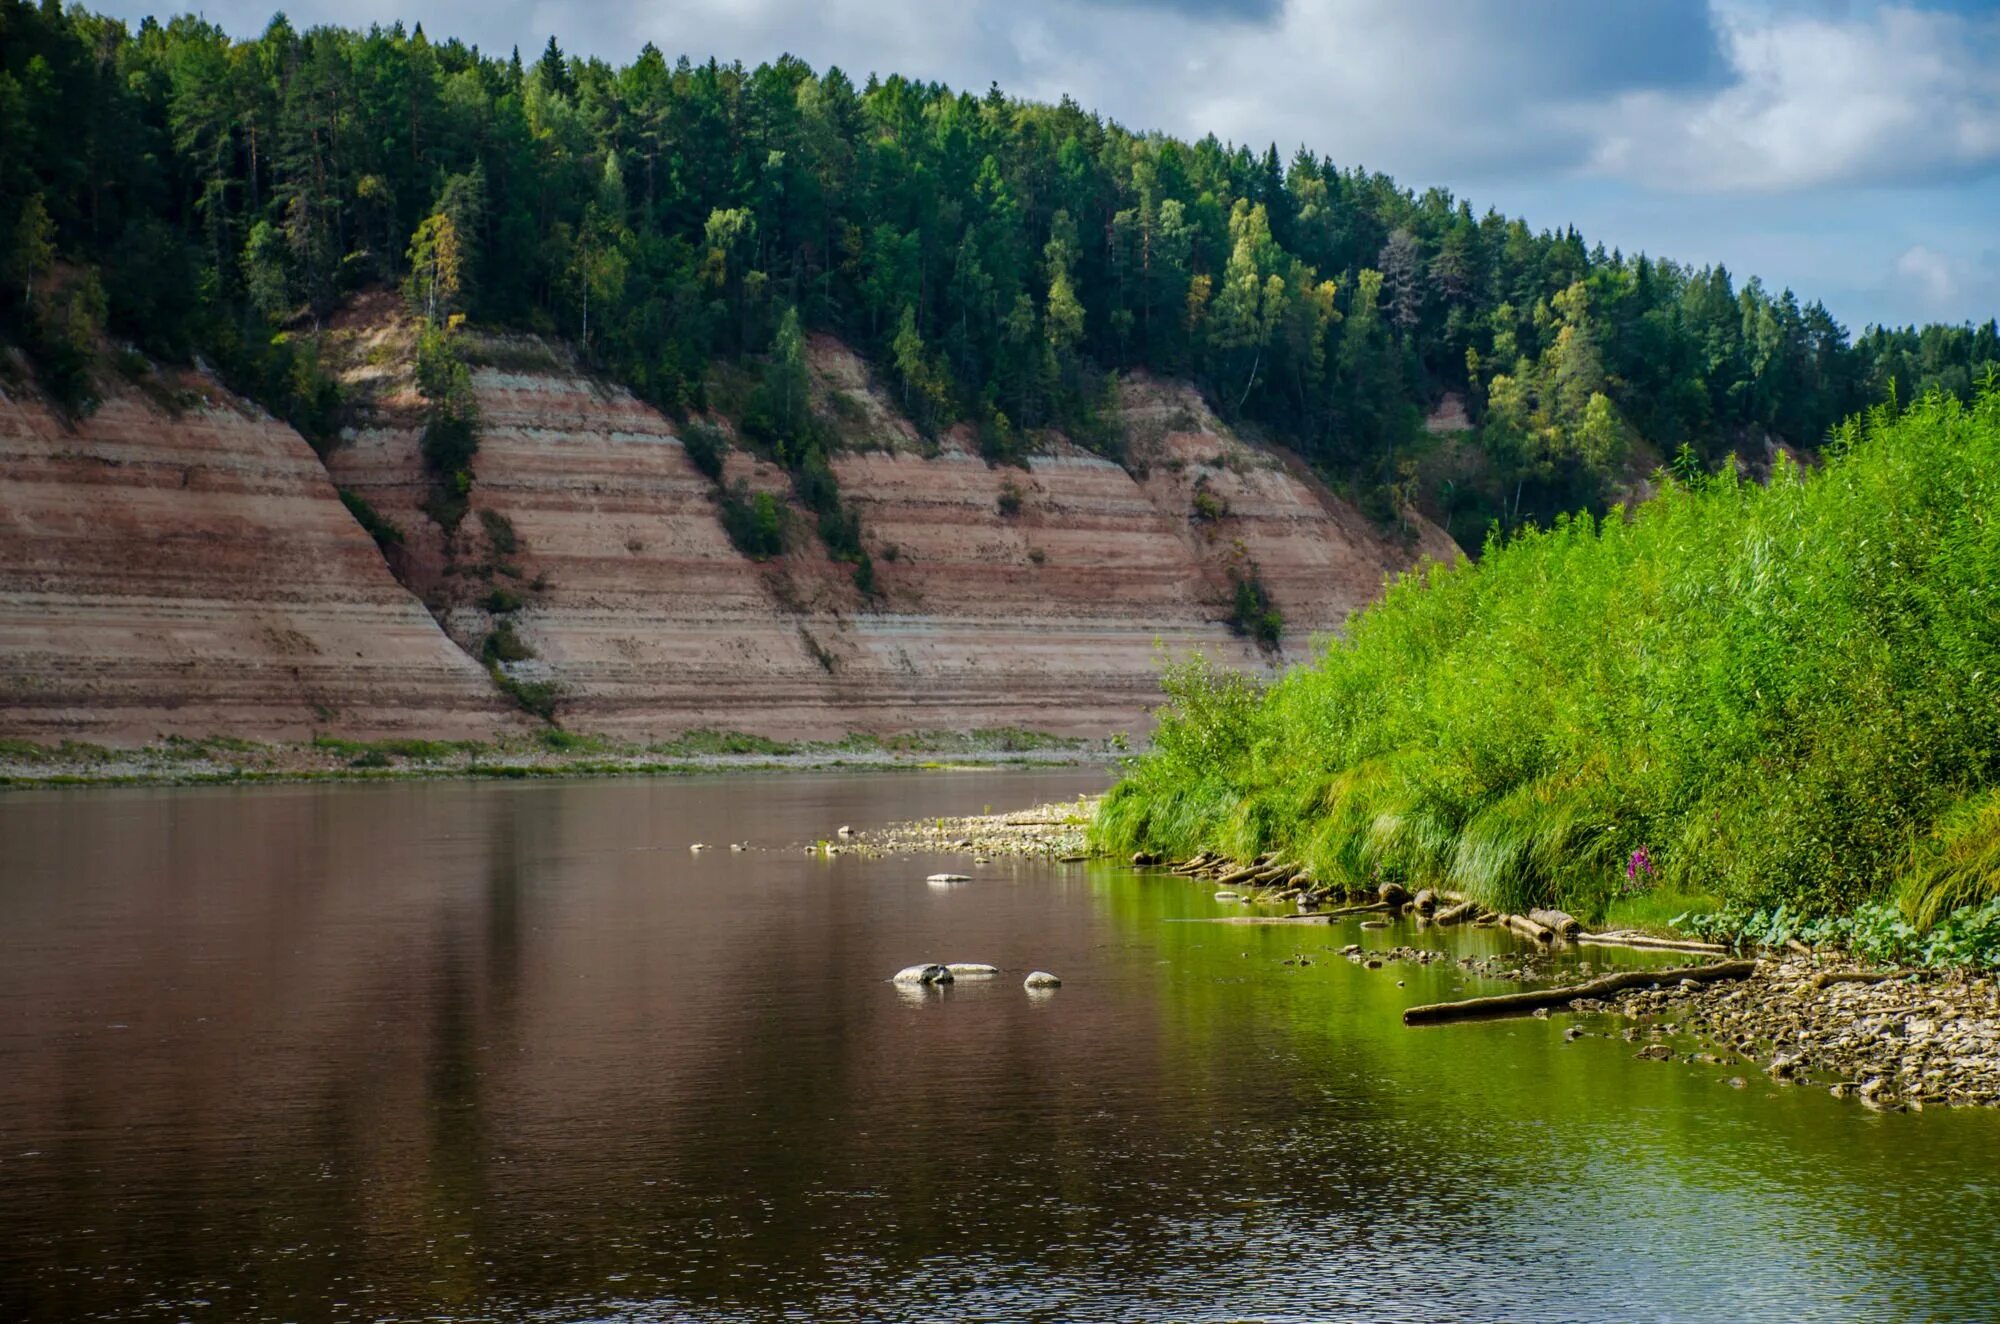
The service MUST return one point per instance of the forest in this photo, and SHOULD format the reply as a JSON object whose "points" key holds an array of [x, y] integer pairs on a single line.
{"points": [[179, 192]]}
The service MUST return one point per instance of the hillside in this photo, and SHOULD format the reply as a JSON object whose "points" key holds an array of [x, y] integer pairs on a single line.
{"points": [[178, 563], [1776, 696], [994, 260], [193, 571]]}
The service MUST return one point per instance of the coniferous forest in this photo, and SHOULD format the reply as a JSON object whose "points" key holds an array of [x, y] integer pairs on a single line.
{"points": [[188, 194]]}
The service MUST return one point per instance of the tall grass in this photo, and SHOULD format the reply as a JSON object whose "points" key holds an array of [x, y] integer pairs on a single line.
{"points": [[1786, 694]]}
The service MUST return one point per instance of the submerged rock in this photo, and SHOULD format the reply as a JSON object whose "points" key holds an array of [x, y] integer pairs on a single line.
{"points": [[1040, 979], [949, 878], [922, 974]]}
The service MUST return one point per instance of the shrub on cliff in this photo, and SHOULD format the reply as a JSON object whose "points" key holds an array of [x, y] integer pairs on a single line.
{"points": [[755, 522], [1762, 694], [706, 447], [1252, 614]]}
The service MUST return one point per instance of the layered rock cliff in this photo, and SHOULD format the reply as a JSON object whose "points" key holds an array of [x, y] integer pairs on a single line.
{"points": [[178, 563], [198, 574]]}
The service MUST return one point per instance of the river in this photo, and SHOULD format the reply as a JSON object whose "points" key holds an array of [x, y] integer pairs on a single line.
{"points": [[510, 1050]]}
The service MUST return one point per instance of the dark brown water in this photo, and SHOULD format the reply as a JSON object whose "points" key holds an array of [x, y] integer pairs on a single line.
{"points": [[506, 1050]]}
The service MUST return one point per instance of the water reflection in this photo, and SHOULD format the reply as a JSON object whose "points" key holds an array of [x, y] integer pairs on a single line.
{"points": [[485, 1051]]}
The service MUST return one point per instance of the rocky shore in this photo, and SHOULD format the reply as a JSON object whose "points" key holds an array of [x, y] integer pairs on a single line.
{"points": [[1888, 1038], [1051, 831]]}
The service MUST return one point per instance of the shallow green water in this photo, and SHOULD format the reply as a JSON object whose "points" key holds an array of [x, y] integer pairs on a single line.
{"points": [[494, 1051]]}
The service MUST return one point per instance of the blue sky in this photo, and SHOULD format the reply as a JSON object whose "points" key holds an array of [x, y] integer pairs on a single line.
{"points": [[1847, 148]]}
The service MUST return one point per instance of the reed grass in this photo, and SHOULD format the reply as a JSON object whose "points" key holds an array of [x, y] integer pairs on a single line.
{"points": [[1778, 694]]}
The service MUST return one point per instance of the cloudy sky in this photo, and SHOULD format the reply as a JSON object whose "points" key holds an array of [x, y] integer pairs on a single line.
{"points": [[1847, 148]]}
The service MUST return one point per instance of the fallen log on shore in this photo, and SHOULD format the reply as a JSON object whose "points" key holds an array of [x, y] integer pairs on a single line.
{"points": [[1559, 922], [1526, 927], [1235, 876], [1464, 910], [1649, 942], [1521, 1004]]}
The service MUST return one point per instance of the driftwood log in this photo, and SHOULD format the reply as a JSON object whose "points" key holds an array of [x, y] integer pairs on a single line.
{"points": [[1521, 1004], [1649, 942], [1526, 927], [1559, 922], [1463, 911]]}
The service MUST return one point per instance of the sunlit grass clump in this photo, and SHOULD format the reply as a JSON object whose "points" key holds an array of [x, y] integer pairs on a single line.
{"points": [[1778, 694]]}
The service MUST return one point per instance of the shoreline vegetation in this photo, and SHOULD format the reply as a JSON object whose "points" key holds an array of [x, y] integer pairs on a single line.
{"points": [[224, 760], [1753, 712], [1890, 1036]]}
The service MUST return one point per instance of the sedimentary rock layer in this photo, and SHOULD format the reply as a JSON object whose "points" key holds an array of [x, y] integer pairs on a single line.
{"points": [[193, 572], [1050, 609]]}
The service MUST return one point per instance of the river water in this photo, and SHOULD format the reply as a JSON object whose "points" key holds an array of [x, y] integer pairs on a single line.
{"points": [[511, 1051]]}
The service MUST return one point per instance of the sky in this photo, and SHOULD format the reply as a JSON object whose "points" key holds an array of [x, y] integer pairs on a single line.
{"points": [[1848, 149]]}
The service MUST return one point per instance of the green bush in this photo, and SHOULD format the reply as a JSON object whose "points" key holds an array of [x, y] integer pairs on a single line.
{"points": [[538, 697], [706, 446], [1252, 614], [755, 522], [505, 645], [384, 532], [1771, 691], [500, 533]]}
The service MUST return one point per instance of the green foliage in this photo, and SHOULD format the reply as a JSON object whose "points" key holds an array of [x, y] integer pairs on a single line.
{"points": [[1252, 614], [703, 741], [500, 534], [706, 447], [423, 751], [996, 260], [1958, 864], [451, 421], [538, 697], [383, 531], [504, 644], [1772, 690], [1876, 931], [1009, 502], [501, 602], [755, 522], [62, 331], [1209, 506]]}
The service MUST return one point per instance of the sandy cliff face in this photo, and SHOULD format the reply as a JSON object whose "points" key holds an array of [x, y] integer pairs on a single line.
{"points": [[197, 573], [194, 573], [1052, 618]]}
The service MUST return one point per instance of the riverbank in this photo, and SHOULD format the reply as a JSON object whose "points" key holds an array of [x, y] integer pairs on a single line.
{"points": [[1889, 1036], [1058, 831], [224, 760]]}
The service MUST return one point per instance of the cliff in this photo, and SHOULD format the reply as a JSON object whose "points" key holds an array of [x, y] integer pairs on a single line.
{"points": [[179, 564], [197, 573]]}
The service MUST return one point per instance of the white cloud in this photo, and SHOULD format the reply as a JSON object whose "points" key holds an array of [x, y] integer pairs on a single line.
{"points": [[1929, 274], [1894, 95]]}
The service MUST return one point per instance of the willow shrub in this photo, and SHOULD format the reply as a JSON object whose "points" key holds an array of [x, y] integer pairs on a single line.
{"points": [[1785, 694]]}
